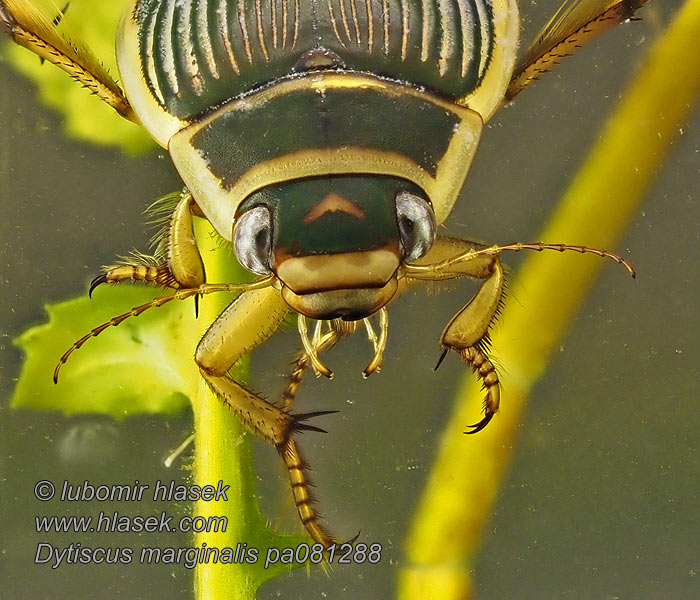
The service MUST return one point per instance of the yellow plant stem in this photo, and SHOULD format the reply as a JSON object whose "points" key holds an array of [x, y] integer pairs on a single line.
{"points": [[604, 197]]}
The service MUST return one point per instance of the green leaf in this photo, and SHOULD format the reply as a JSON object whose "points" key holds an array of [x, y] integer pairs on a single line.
{"points": [[143, 365]]}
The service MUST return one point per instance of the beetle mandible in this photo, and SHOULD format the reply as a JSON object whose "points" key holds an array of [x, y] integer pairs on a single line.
{"points": [[326, 140]]}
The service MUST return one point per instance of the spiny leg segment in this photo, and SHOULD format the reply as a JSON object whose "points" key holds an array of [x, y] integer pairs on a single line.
{"points": [[480, 364], [573, 25], [297, 469], [39, 34], [157, 274]]}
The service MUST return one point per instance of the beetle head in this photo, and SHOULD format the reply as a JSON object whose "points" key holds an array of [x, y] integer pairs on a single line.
{"points": [[335, 243]]}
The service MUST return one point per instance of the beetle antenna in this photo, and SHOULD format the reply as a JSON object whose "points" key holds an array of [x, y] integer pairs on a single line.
{"points": [[517, 247], [182, 294]]}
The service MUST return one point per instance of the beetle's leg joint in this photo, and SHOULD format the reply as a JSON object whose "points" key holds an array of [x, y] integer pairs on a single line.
{"points": [[264, 419]]}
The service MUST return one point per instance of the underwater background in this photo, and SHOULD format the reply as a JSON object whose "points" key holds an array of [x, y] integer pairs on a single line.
{"points": [[601, 498]]}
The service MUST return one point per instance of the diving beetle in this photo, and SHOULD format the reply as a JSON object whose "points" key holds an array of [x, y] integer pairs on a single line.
{"points": [[326, 140]]}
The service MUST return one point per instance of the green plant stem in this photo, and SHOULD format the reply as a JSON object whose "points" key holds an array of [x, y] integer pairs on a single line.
{"points": [[462, 487], [221, 452]]}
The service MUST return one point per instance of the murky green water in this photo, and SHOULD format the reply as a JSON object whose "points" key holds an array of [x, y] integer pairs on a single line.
{"points": [[602, 497]]}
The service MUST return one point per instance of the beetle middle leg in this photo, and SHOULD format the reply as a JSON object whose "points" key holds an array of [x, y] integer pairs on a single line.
{"points": [[36, 32], [248, 321], [468, 331]]}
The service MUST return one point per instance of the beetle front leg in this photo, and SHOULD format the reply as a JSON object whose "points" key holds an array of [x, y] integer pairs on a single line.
{"points": [[182, 269], [249, 320], [184, 259], [467, 332]]}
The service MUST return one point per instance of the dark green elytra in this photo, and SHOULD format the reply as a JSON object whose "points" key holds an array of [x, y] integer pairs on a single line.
{"points": [[198, 54]]}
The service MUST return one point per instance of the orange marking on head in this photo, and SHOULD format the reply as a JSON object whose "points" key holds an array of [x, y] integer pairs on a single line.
{"points": [[333, 203]]}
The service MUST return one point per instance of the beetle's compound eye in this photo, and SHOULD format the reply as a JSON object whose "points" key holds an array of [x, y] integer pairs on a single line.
{"points": [[252, 240], [416, 225]]}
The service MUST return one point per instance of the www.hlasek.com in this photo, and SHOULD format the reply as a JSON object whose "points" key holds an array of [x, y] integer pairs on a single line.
{"points": [[189, 557]]}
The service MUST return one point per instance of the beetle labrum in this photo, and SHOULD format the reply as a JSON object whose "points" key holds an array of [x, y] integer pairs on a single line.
{"points": [[338, 213]]}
